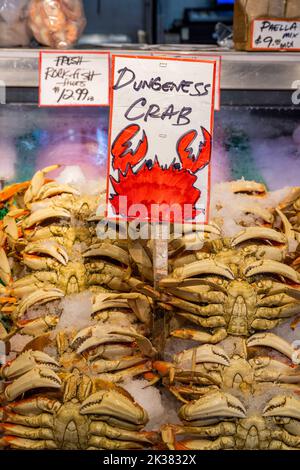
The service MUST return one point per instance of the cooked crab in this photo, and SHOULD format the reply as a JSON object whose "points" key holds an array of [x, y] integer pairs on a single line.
{"points": [[80, 413], [220, 420], [235, 286], [197, 371]]}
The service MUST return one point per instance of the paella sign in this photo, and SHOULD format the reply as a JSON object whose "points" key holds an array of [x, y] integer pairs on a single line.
{"points": [[73, 78], [271, 35], [161, 121]]}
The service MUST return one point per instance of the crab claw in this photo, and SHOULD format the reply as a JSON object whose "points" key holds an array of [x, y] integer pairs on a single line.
{"points": [[115, 404], [27, 361], [53, 189], [123, 155], [251, 233], [36, 183], [216, 405], [10, 226], [189, 160], [5, 271], [38, 377], [48, 247], [96, 335], [40, 215], [272, 341], [108, 250], [198, 268], [41, 296], [205, 353], [272, 267], [283, 406]]}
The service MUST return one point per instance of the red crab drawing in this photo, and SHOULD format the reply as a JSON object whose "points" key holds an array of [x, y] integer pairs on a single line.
{"points": [[153, 183]]}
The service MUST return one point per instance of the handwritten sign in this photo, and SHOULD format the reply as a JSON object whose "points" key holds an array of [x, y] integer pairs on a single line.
{"points": [[269, 34], [202, 56], [74, 78], [161, 122]]}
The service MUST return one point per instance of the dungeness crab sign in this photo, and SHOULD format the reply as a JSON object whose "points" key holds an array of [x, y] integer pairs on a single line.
{"points": [[161, 121]]}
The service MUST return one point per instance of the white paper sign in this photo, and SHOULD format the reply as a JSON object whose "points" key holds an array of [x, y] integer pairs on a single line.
{"points": [[74, 78], [272, 34], [160, 136]]}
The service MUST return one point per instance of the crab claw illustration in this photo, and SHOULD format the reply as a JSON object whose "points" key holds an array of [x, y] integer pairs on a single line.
{"points": [[190, 161], [123, 155]]}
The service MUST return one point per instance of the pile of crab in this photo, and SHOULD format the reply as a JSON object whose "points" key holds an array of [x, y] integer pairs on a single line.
{"points": [[58, 389], [80, 316], [228, 300]]}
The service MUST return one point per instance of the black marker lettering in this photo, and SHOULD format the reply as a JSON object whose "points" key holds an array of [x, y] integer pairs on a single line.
{"points": [[142, 102], [169, 113], [183, 116], [122, 73], [153, 112]]}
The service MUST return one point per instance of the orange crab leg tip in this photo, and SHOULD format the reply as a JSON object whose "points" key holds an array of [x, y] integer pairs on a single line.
{"points": [[162, 367], [180, 446], [8, 300], [10, 191]]}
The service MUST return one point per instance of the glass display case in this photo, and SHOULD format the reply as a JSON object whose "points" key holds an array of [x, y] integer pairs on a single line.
{"points": [[209, 349], [256, 127]]}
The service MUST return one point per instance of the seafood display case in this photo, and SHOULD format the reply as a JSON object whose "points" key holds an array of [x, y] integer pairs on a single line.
{"points": [[96, 352]]}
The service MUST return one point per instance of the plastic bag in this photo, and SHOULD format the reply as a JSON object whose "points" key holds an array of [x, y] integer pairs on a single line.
{"points": [[14, 29], [56, 23]]}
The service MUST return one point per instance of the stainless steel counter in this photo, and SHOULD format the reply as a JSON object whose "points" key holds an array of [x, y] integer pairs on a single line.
{"points": [[240, 70]]}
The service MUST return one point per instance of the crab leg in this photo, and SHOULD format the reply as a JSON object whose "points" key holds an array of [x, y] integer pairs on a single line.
{"points": [[126, 374], [27, 432], [263, 324], [213, 322], [205, 311], [196, 294], [105, 443], [221, 429], [41, 420], [200, 336], [221, 443], [101, 366], [279, 312], [277, 300], [104, 430], [21, 443]]}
